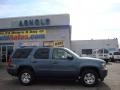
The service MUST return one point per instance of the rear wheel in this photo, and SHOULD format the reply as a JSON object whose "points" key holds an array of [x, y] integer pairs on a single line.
{"points": [[89, 78], [26, 77]]}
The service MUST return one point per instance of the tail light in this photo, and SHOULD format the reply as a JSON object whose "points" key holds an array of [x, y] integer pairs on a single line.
{"points": [[9, 61]]}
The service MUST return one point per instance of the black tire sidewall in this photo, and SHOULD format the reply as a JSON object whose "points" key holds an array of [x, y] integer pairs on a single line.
{"points": [[83, 75], [30, 73]]}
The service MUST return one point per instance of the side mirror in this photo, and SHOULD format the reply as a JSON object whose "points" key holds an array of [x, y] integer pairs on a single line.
{"points": [[70, 57]]}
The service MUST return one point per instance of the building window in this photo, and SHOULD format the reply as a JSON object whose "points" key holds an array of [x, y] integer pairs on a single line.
{"points": [[87, 51]]}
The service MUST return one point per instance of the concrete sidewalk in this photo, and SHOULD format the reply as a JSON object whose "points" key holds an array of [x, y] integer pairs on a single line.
{"points": [[3, 65]]}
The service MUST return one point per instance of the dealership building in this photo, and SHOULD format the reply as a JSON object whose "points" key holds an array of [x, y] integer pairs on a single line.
{"points": [[48, 30]]}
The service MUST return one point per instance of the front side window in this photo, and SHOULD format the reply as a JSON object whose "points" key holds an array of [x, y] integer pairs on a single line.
{"points": [[60, 54], [105, 51], [101, 51], [42, 53]]}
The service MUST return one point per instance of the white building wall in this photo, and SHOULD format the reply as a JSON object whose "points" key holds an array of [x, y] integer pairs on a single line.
{"points": [[78, 45]]}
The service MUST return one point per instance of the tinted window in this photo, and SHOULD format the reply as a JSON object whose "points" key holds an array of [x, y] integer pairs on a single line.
{"points": [[105, 51], [22, 53], [116, 53], [110, 53], [100, 51], [60, 54], [42, 53]]}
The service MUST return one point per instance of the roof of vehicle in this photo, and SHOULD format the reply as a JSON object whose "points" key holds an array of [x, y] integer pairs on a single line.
{"points": [[37, 47]]}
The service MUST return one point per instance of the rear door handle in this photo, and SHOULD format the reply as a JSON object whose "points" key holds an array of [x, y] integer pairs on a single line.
{"points": [[55, 62]]}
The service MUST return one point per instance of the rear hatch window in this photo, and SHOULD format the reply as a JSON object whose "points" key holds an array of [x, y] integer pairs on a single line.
{"points": [[22, 53]]}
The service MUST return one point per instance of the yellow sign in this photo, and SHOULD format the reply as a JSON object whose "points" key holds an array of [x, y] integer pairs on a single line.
{"points": [[48, 43], [57, 43]]}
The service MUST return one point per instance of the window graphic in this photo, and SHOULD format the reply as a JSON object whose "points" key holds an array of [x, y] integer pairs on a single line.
{"points": [[23, 35]]}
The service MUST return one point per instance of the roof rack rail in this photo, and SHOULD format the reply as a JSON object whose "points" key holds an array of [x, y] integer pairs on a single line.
{"points": [[28, 46]]}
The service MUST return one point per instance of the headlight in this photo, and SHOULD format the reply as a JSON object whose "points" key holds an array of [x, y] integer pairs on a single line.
{"points": [[103, 65]]}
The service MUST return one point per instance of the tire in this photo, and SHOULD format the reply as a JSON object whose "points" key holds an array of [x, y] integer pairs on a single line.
{"points": [[26, 77], [89, 78], [102, 79]]}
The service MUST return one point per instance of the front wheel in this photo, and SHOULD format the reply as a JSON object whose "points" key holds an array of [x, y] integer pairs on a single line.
{"points": [[89, 78], [26, 77]]}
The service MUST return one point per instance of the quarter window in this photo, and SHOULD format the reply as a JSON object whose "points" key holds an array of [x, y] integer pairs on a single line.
{"points": [[42, 53], [22, 53]]}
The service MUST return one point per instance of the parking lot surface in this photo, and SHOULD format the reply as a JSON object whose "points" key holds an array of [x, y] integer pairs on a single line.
{"points": [[111, 82]]}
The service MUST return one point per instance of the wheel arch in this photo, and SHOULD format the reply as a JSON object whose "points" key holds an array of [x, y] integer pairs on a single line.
{"points": [[24, 67], [89, 68]]}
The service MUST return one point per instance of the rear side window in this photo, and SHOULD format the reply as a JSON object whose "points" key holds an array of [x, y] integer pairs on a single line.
{"points": [[22, 53], [42, 53]]}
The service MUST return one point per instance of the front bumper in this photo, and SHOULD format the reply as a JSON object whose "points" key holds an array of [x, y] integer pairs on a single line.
{"points": [[103, 73]]}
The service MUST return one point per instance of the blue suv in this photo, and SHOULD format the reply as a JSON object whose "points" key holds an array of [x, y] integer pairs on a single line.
{"points": [[29, 63]]}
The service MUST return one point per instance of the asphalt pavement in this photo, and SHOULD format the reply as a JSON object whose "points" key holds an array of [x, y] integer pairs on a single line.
{"points": [[111, 82]]}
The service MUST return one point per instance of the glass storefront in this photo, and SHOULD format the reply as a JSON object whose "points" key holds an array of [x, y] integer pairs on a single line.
{"points": [[5, 52]]}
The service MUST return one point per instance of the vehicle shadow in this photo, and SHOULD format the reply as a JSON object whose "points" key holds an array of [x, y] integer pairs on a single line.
{"points": [[71, 84], [56, 85]]}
